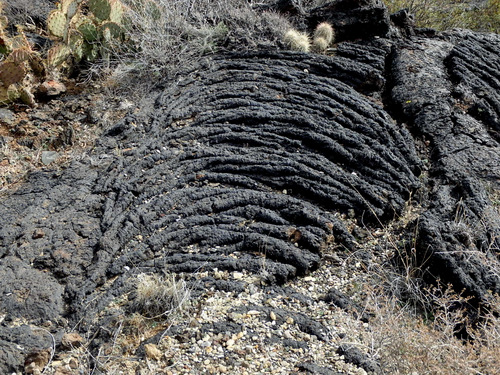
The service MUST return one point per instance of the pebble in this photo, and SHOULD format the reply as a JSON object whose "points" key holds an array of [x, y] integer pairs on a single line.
{"points": [[7, 116], [152, 352], [49, 157]]}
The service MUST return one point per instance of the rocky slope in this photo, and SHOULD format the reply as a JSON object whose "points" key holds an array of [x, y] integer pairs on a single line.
{"points": [[260, 166]]}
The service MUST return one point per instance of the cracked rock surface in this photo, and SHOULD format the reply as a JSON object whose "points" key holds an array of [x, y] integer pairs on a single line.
{"points": [[248, 163]]}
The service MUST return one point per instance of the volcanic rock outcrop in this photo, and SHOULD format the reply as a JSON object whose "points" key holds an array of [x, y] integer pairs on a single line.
{"points": [[246, 162]]}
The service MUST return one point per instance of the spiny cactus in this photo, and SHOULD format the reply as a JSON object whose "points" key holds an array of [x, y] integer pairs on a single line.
{"points": [[21, 66], [297, 41], [69, 7], [11, 72], [324, 36], [57, 23], [88, 30], [20, 55], [58, 54], [100, 8], [111, 30], [325, 30], [320, 44], [86, 34], [117, 10], [9, 94]]}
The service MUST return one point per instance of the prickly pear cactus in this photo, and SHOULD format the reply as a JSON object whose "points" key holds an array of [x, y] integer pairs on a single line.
{"points": [[8, 94], [116, 14], [37, 65], [4, 45], [101, 9], [111, 31], [20, 55], [70, 7], [3, 22], [88, 31], [11, 72], [57, 23], [58, 54], [20, 66]]}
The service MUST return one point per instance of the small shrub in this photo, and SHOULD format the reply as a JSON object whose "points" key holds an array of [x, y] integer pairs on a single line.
{"points": [[170, 35]]}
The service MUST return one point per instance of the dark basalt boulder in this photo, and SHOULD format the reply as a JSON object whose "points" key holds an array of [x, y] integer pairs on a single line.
{"points": [[246, 161], [448, 89], [353, 19]]}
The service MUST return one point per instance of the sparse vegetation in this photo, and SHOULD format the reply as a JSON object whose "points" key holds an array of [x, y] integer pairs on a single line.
{"points": [[168, 35], [404, 343], [84, 30], [158, 295], [417, 327], [482, 15], [414, 329]]}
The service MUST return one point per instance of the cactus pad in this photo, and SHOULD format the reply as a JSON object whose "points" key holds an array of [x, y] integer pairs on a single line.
{"points": [[116, 14], [36, 64], [11, 72], [100, 8], [3, 22], [20, 41], [20, 54], [70, 7], [76, 45], [8, 94], [57, 23], [90, 51], [27, 96], [58, 54], [88, 31], [111, 30]]}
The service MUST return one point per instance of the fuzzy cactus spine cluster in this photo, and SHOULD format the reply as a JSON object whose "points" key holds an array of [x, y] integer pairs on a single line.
{"points": [[323, 37]]}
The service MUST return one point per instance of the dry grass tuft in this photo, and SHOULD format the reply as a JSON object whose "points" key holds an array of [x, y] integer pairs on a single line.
{"points": [[447, 14], [158, 295], [419, 328], [404, 343]]}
